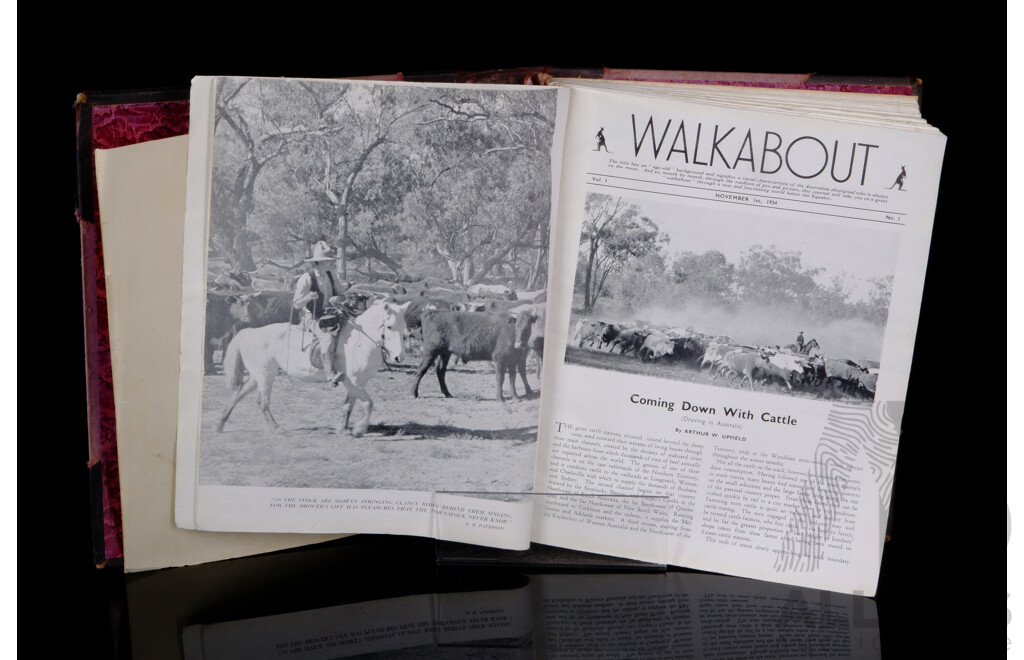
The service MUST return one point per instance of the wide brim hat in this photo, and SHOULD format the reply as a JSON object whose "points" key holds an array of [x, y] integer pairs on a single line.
{"points": [[322, 252]]}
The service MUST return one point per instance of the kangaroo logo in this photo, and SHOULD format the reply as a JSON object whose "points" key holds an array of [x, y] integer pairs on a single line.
{"points": [[900, 178]]}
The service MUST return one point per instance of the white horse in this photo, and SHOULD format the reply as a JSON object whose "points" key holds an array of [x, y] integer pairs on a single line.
{"points": [[280, 346]]}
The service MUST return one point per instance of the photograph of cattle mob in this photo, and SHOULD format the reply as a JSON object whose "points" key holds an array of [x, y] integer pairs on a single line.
{"points": [[426, 212], [721, 296]]}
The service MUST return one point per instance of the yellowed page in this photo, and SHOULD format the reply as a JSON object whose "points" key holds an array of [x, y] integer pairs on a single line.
{"points": [[142, 206]]}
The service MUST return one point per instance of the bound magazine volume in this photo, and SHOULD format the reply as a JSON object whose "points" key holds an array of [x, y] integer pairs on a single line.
{"points": [[668, 322]]}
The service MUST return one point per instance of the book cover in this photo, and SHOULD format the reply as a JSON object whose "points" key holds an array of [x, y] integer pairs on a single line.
{"points": [[104, 121]]}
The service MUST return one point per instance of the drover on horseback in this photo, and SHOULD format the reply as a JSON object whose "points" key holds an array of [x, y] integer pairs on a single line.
{"points": [[324, 312], [268, 349]]}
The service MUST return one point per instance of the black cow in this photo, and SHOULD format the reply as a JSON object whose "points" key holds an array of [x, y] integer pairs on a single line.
{"points": [[414, 313], [814, 372], [501, 338], [510, 353], [266, 307], [225, 315], [630, 340], [537, 345], [539, 313], [501, 305], [232, 281], [487, 305], [699, 344], [611, 331], [685, 349]]}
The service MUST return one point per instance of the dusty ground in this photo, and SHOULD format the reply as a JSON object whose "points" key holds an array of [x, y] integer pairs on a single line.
{"points": [[472, 442]]}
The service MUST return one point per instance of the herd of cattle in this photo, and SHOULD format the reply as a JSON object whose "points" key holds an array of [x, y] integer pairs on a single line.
{"points": [[794, 366], [478, 322]]}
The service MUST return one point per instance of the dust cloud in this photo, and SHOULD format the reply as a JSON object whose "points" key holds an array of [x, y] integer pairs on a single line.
{"points": [[852, 338]]}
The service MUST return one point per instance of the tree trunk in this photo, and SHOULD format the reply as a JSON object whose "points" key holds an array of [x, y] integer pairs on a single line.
{"points": [[588, 304], [535, 270], [344, 245], [346, 192], [600, 286], [241, 254]]}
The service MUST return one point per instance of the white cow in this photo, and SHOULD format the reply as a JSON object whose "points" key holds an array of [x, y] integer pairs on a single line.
{"points": [[490, 291]]}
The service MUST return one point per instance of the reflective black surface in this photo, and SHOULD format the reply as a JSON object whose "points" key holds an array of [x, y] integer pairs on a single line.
{"points": [[386, 597], [383, 597]]}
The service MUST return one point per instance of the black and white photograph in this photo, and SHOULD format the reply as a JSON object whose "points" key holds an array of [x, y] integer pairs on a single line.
{"points": [[720, 297], [376, 278]]}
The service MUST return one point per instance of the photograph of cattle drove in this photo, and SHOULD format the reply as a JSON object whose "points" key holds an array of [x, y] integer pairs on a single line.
{"points": [[361, 237], [729, 298]]}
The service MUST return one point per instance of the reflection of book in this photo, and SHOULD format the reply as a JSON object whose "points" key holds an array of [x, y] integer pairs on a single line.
{"points": [[500, 615], [668, 175], [613, 616]]}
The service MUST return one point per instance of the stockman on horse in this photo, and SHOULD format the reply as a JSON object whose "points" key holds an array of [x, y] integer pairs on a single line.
{"points": [[264, 351], [325, 312]]}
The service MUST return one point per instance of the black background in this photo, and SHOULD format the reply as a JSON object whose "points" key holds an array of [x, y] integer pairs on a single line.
{"points": [[936, 591]]}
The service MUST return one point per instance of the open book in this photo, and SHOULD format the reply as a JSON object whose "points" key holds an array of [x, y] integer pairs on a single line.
{"points": [[723, 284]]}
